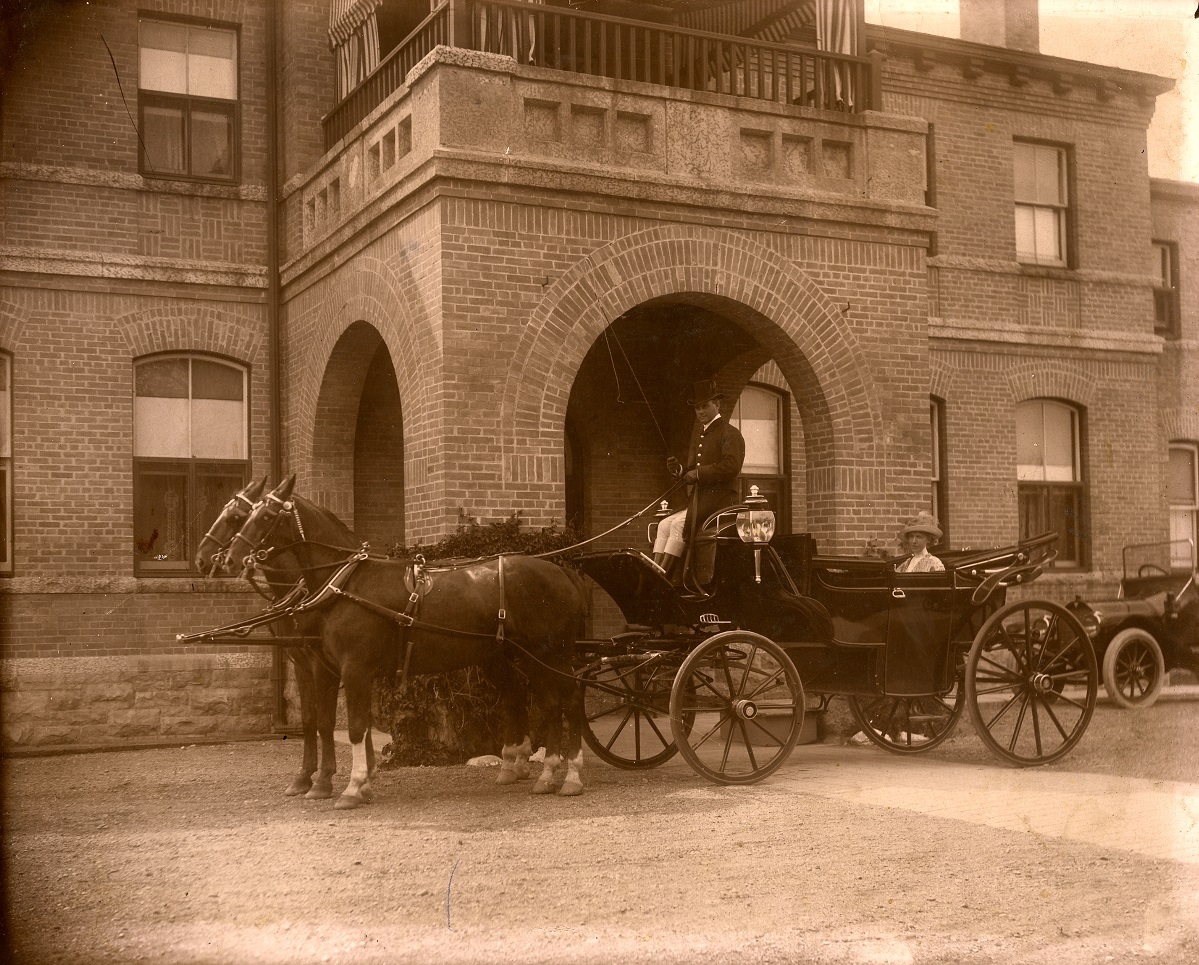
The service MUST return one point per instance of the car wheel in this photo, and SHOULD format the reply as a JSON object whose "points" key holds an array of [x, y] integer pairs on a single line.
{"points": [[1134, 670]]}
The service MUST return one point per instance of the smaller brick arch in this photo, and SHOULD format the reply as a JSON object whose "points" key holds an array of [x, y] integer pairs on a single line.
{"points": [[11, 324], [1179, 425], [178, 328], [940, 379], [1050, 379]]}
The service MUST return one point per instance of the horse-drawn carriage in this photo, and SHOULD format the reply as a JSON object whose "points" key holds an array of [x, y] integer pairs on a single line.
{"points": [[726, 674], [721, 669]]}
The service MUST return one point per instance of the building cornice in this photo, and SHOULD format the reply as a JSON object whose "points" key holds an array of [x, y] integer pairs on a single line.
{"points": [[1020, 66]]}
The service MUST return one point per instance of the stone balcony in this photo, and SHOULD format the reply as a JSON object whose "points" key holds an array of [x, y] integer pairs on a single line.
{"points": [[479, 117]]}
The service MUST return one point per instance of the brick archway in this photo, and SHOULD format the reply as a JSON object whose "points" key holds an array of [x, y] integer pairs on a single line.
{"points": [[1047, 379], [363, 311], [748, 283], [172, 329]]}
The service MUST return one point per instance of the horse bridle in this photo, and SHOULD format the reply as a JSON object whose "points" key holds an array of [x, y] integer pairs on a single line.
{"points": [[218, 557], [255, 554]]}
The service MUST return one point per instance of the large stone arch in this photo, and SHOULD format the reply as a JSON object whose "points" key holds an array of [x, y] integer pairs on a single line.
{"points": [[362, 307], [789, 315]]}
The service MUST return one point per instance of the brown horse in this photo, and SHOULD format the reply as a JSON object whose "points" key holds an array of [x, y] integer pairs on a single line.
{"points": [[382, 615], [316, 681]]}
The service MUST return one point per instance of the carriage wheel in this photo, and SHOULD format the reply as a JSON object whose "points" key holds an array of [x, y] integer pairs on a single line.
{"points": [[908, 725], [1031, 682], [629, 729], [737, 707]]}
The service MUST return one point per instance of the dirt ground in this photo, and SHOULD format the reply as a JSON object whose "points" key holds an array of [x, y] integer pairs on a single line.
{"points": [[192, 855]]}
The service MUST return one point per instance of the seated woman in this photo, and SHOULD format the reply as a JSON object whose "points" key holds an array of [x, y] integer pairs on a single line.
{"points": [[918, 533]]}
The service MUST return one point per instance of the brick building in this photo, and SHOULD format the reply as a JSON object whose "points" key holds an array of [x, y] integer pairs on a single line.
{"points": [[452, 261]]}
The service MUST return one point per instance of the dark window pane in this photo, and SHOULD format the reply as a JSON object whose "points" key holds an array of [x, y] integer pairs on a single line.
{"points": [[160, 518], [162, 379], [162, 132], [1034, 516], [4, 559], [214, 488], [211, 380], [211, 143], [1065, 521]]}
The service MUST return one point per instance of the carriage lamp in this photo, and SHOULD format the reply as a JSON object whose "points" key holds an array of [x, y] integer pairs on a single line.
{"points": [[755, 525], [651, 531]]}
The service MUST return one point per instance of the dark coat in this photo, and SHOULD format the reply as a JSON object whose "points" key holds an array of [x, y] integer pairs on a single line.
{"points": [[717, 454]]}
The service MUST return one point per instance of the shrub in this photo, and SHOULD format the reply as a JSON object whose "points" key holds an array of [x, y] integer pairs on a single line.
{"points": [[447, 718]]}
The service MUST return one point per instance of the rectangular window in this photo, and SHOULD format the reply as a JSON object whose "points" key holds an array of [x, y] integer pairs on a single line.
{"points": [[760, 415], [1165, 289], [5, 465], [190, 447], [1042, 204], [1182, 493], [1049, 477], [188, 100]]}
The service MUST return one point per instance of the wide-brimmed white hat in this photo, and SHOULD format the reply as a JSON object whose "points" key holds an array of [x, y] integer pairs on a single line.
{"points": [[923, 522]]}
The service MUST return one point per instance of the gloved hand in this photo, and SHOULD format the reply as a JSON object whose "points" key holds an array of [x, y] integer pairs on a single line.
{"points": [[674, 467], [691, 476]]}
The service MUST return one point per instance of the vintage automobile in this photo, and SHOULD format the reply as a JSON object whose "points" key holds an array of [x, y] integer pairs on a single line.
{"points": [[1151, 628]]}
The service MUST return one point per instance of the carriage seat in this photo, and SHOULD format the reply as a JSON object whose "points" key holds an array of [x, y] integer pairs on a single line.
{"points": [[701, 561]]}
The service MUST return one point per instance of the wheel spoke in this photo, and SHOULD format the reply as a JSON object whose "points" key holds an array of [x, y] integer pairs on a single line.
{"points": [[1056, 722], [1019, 723], [1003, 710], [620, 730]]}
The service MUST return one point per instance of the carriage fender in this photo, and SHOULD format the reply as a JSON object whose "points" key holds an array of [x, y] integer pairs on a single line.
{"points": [[813, 614]]}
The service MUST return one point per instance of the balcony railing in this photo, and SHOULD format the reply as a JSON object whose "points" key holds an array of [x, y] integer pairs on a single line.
{"points": [[620, 49]]}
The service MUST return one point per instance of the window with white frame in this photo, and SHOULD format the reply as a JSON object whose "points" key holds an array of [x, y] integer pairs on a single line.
{"points": [[760, 415], [1049, 477], [1042, 203], [1182, 493], [188, 100], [938, 502], [6, 536], [190, 444], [1165, 289]]}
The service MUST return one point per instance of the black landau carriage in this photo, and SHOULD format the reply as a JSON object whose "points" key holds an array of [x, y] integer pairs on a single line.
{"points": [[724, 673]]}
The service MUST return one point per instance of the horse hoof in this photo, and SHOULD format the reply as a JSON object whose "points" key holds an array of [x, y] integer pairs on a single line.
{"points": [[318, 793], [507, 776], [345, 803], [543, 787], [570, 789], [366, 794], [297, 787]]}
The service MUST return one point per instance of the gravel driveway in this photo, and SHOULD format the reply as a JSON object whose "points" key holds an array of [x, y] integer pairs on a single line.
{"points": [[193, 855]]}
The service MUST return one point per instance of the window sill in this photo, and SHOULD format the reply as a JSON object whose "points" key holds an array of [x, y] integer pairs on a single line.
{"points": [[1046, 271]]}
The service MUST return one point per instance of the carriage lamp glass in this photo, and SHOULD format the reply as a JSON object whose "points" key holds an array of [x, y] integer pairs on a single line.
{"points": [[755, 525], [651, 531]]}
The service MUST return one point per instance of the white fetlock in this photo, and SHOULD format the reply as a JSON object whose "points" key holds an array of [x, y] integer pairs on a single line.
{"points": [[572, 784], [548, 782]]}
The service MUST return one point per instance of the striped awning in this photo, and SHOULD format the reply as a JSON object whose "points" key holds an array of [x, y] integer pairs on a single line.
{"points": [[346, 16]]}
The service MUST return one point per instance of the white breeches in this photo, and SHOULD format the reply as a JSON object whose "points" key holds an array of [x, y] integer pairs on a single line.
{"points": [[671, 534]]}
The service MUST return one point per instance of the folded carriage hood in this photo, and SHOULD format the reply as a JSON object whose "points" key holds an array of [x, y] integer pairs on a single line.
{"points": [[1116, 610]]}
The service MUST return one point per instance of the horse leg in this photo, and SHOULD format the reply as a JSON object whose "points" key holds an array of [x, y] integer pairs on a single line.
{"points": [[551, 775], [325, 685], [358, 712], [304, 683], [572, 784], [517, 746]]}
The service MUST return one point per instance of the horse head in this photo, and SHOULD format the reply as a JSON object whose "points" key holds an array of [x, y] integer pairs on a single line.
{"points": [[210, 556], [260, 523]]}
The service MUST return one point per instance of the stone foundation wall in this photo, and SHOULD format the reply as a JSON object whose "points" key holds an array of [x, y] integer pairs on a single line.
{"points": [[102, 700]]}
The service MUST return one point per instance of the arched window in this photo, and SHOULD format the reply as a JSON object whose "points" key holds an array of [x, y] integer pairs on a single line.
{"points": [[1182, 493], [1049, 476], [190, 448], [5, 464], [761, 416]]}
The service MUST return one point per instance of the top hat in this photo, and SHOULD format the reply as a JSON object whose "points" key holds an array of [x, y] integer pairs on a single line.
{"points": [[923, 522], [704, 391]]}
